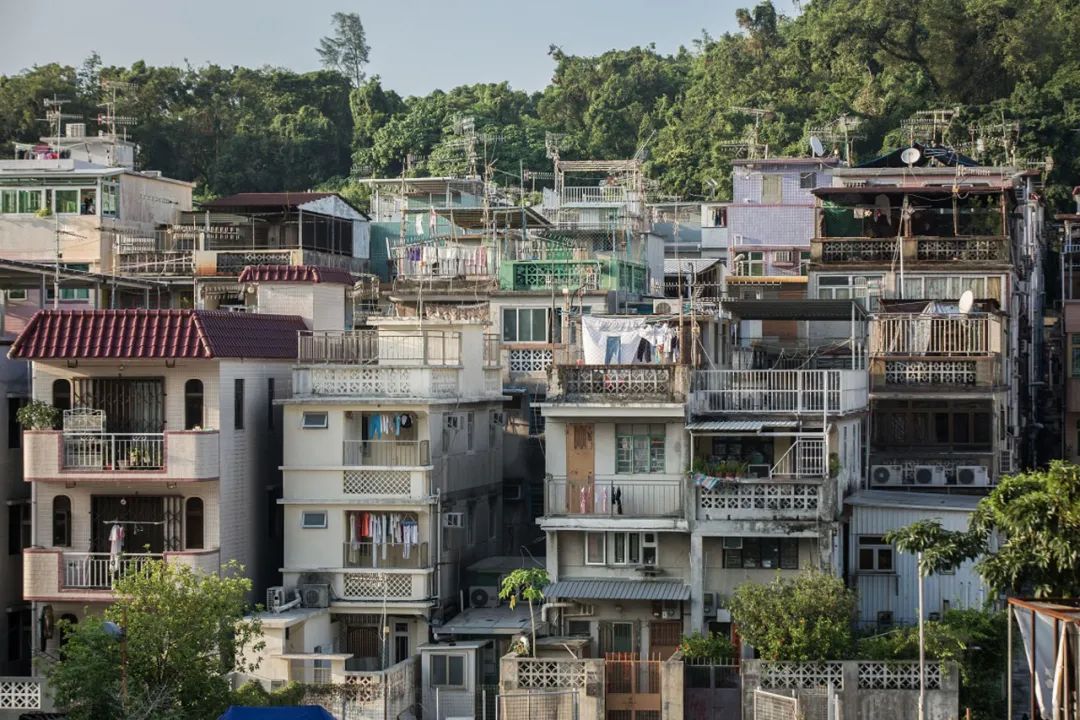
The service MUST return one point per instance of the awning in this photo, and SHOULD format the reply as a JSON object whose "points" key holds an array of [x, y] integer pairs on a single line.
{"points": [[741, 425], [491, 621], [618, 590], [809, 309]]}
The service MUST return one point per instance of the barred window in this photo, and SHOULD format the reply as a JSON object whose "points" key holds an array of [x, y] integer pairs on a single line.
{"points": [[639, 448]]}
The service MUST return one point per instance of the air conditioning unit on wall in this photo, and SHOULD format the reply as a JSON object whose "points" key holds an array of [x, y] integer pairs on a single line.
{"points": [[972, 476], [929, 475], [886, 475], [483, 596], [315, 596]]}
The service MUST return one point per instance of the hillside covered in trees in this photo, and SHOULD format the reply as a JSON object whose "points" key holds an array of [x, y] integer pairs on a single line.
{"points": [[230, 129]]}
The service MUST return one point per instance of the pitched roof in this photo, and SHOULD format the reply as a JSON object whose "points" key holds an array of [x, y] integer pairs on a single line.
{"points": [[618, 590], [149, 334], [295, 274]]}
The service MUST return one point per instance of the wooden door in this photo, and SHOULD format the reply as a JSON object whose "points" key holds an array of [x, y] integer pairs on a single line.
{"points": [[580, 468], [664, 638]]}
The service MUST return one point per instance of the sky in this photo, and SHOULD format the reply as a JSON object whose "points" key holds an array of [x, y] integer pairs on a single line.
{"points": [[416, 46]]}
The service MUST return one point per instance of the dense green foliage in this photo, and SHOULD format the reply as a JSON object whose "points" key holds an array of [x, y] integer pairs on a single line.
{"points": [[807, 617], [875, 60], [975, 640], [712, 647], [184, 632]]}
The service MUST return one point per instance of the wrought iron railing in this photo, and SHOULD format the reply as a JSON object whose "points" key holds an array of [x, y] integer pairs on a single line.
{"points": [[386, 453], [114, 451]]}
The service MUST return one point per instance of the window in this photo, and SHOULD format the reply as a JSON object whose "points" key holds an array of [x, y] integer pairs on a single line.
{"points": [[525, 325], [470, 429], [761, 553], [67, 201], [772, 189], [193, 524], [626, 548], [719, 217], [648, 548], [16, 295], [807, 181], [14, 431], [579, 628], [492, 516], [238, 404], [30, 201], [845, 287], [315, 421], [61, 521], [19, 528], [71, 293], [622, 637], [447, 670], [19, 634], [110, 199], [1074, 342], [755, 264], [595, 548], [804, 262], [193, 404], [9, 202], [270, 403], [875, 555], [950, 287], [639, 448], [313, 519]]}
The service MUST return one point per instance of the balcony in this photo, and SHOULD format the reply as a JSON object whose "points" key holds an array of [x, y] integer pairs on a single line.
{"points": [[619, 383], [156, 263], [170, 456], [920, 335], [392, 556], [752, 499], [788, 392], [859, 250], [386, 453], [229, 263], [615, 497], [380, 381], [370, 347], [377, 586], [952, 374], [388, 693], [57, 574], [591, 274]]}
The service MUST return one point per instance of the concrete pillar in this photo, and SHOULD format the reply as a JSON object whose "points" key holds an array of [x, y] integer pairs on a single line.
{"points": [[671, 688], [697, 583], [552, 559]]}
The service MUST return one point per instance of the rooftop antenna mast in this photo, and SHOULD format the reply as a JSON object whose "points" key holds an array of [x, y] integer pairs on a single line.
{"points": [[112, 123], [841, 130], [55, 116], [751, 141], [932, 125]]}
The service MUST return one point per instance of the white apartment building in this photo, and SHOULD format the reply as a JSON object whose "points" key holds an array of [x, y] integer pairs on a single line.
{"points": [[168, 433]]}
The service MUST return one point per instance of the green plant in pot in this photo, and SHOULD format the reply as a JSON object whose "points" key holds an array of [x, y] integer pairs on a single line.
{"points": [[37, 415], [834, 465]]}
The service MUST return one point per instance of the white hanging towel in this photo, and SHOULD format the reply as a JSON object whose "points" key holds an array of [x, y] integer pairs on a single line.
{"points": [[116, 541], [595, 332]]}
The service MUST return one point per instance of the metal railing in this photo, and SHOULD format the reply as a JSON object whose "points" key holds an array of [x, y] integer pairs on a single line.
{"points": [[615, 497], [388, 453], [114, 451], [492, 349], [594, 194], [805, 457], [395, 556], [617, 381], [780, 391], [99, 571], [156, 262], [913, 334], [370, 347]]}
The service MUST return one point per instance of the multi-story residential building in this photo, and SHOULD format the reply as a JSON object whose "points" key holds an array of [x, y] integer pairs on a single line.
{"points": [[948, 259], [165, 448], [392, 474], [1069, 321]]}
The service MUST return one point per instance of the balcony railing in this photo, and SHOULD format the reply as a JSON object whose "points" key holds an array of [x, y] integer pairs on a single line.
{"points": [[431, 262], [408, 381], [370, 347], [754, 499], [615, 497], [114, 451], [156, 262], [394, 556], [600, 195], [911, 334], [387, 453], [780, 391], [99, 571], [925, 249], [617, 382], [384, 585], [804, 458]]}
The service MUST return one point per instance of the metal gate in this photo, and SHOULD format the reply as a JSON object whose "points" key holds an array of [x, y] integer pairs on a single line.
{"points": [[712, 692], [536, 705], [632, 687]]}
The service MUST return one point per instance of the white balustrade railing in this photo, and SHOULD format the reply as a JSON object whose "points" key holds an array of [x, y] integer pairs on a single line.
{"points": [[615, 497], [394, 555], [372, 347], [759, 499], [98, 571], [912, 334], [594, 194], [780, 391], [20, 693], [114, 451], [386, 453]]}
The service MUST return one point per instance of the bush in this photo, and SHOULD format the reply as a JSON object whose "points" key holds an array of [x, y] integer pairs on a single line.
{"points": [[37, 415], [712, 647], [808, 617]]}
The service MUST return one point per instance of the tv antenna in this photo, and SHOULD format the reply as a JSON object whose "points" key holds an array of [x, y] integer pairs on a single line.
{"points": [[55, 116], [932, 125], [987, 137], [842, 130], [467, 140], [751, 140]]}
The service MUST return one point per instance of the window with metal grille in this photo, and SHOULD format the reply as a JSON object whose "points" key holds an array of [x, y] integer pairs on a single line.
{"points": [[447, 670], [763, 553], [238, 404], [639, 448]]}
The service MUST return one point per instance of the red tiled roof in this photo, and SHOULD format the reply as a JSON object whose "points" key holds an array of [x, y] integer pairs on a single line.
{"points": [[267, 199], [295, 273], [150, 334]]}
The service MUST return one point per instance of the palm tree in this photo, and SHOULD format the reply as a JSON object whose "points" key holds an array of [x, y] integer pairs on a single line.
{"points": [[528, 583]]}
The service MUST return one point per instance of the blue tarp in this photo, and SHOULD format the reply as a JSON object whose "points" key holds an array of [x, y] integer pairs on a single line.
{"points": [[303, 712]]}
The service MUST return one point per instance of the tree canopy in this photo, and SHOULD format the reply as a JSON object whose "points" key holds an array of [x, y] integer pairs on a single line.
{"points": [[1010, 70], [183, 632]]}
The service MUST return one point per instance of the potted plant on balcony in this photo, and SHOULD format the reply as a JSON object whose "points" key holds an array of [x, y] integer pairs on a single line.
{"points": [[834, 465], [37, 415]]}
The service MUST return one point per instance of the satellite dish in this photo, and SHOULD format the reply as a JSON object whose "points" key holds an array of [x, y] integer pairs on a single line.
{"points": [[967, 300], [910, 156], [816, 147]]}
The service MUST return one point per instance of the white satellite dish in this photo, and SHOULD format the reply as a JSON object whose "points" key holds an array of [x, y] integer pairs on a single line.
{"points": [[910, 156], [967, 300], [816, 147]]}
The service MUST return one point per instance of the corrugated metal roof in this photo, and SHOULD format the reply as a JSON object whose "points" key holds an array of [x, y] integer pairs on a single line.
{"points": [[741, 425], [264, 200], [618, 590], [912, 500], [294, 273], [697, 265], [806, 309], [147, 334]]}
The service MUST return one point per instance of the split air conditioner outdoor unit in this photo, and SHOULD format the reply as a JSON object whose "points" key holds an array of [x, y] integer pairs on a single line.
{"points": [[483, 596], [581, 610], [972, 476], [886, 475], [315, 596], [275, 598], [929, 475]]}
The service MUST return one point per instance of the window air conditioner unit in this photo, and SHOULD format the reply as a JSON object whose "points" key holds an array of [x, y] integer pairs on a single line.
{"points": [[275, 598], [453, 520], [709, 601], [483, 596], [929, 475], [972, 476], [886, 475], [667, 609], [315, 596], [662, 307], [452, 422]]}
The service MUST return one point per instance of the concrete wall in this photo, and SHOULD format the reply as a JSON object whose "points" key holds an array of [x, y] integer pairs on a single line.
{"points": [[321, 305], [676, 446]]}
